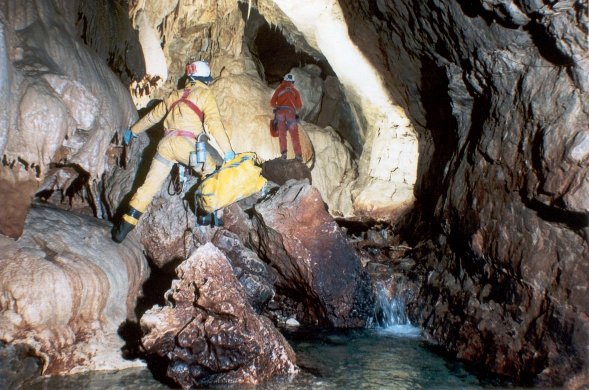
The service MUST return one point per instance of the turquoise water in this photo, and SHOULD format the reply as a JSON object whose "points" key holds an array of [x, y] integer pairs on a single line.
{"points": [[391, 356], [395, 357]]}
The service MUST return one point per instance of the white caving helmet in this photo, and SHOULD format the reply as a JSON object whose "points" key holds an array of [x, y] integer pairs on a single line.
{"points": [[198, 69], [289, 77]]}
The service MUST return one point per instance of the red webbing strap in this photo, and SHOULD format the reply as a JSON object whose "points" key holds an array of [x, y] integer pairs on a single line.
{"points": [[190, 104]]}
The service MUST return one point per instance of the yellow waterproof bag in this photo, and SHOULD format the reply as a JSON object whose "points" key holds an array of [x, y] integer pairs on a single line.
{"points": [[236, 179]]}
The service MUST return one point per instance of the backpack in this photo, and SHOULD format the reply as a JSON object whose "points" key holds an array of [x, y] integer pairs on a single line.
{"points": [[236, 179]]}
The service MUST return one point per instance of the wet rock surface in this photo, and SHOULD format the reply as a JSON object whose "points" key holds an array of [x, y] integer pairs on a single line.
{"points": [[502, 186], [312, 258], [66, 290], [209, 331], [18, 365]]}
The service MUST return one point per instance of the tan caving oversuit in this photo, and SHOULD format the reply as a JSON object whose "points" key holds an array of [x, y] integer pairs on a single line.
{"points": [[174, 148]]}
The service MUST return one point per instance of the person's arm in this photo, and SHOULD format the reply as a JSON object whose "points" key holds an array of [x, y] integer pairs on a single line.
{"points": [[214, 124], [152, 117]]}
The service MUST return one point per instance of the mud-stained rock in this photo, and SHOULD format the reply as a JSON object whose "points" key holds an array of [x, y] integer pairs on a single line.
{"points": [[16, 200], [254, 275], [67, 288], [281, 170], [314, 261], [209, 331]]}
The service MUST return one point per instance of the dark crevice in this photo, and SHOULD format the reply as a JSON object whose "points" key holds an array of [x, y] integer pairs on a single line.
{"points": [[273, 53], [574, 220], [546, 45], [443, 126]]}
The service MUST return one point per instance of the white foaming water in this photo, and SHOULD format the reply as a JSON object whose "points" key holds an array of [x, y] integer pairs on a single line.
{"points": [[391, 316]]}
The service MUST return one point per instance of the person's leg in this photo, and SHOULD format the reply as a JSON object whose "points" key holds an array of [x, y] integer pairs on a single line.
{"points": [[158, 172], [281, 126], [293, 129], [296, 143]]}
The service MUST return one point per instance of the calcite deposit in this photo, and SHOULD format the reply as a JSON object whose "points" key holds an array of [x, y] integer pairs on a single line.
{"points": [[66, 290]]}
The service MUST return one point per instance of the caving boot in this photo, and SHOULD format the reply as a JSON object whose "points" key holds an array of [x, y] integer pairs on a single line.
{"points": [[125, 225], [210, 219]]}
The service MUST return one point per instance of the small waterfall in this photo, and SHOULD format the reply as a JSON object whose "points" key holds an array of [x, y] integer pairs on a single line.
{"points": [[390, 311]]}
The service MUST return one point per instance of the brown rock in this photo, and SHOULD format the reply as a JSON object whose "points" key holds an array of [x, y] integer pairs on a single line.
{"points": [[312, 257], [253, 274], [281, 170], [15, 200], [209, 331]]}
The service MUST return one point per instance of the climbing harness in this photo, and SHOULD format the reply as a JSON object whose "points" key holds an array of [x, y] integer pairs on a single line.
{"points": [[193, 107]]}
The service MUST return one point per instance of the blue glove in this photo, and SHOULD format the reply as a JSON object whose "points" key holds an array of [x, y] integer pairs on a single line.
{"points": [[229, 155], [128, 136]]}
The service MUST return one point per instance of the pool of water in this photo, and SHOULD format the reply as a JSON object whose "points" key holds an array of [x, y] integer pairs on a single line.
{"points": [[395, 357]]}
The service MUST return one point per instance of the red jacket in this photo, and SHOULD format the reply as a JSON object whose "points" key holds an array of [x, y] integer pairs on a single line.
{"points": [[287, 95]]}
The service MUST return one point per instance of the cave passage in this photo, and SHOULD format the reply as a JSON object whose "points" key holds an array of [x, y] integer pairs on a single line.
{"points": [[274, 54]]}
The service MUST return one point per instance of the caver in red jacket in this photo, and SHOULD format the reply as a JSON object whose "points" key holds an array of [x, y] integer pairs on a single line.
{"points": [[286, 101]]}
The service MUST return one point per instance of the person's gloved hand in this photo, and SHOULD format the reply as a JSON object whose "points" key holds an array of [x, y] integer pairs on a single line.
{"points": [[128, 136], [229, 155]]}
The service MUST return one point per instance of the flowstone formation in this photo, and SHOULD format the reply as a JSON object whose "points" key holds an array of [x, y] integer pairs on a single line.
{"points": [[59, 114], [66, 290]]}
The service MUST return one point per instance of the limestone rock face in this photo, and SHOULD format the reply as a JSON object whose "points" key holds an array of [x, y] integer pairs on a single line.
{"points": [[210, 333], [310, 85], [312, 257], [244, 102], [389, 153], [62, 104], [66, 290], [165, 230], [503, 177], [335, 170]]}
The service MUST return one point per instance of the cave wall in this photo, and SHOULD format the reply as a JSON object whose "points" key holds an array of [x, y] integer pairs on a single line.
{"points": [[62, 107], [498, 93]]}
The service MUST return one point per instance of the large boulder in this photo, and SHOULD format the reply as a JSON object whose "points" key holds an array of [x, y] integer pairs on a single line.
{"points": [[209, 331], [314, 261], [254, 275], [280, 171], [66, 288]]}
